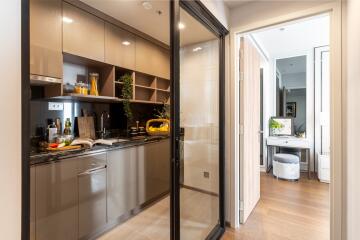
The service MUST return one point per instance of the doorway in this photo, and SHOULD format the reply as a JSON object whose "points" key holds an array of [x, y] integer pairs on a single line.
{"points": [[288, 110]]}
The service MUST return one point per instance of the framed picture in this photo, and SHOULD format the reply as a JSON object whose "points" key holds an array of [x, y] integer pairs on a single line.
{"points": [[291, 109]]}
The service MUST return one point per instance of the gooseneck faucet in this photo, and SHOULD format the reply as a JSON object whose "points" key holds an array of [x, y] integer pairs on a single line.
{"points": [[103, 130]]}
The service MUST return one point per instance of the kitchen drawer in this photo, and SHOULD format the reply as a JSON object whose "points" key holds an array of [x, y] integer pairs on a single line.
{"points": [[91, 161]]}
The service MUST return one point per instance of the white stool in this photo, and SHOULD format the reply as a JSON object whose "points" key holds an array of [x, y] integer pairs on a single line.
{"points": [[286, 166]]}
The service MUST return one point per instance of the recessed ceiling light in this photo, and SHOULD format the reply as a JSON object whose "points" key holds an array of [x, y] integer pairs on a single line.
{"points": [[126, 43], [67, 20], [147, 5], [181, 25], [197, 49], [282, 29]]}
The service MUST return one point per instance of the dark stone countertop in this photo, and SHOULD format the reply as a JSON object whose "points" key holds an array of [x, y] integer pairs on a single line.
{"points": [[49, 156]]}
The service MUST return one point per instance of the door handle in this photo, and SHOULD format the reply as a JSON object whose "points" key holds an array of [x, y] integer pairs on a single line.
{"points": [[92, 170]]}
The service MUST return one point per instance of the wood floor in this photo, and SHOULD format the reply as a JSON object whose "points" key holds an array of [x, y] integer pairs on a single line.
{"points": [[287, 211]]}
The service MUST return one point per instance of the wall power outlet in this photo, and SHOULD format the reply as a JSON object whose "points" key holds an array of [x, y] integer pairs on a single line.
{"points": [[206, 175], [56, 106]]}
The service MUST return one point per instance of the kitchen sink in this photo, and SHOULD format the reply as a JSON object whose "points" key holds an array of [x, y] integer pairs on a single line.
{"points": [[111, 141]]}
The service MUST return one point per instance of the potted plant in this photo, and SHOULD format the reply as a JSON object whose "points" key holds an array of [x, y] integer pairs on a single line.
{"points": [[126, 94]]}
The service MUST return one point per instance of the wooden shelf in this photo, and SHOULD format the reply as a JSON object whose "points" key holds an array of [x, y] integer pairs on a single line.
{"points": [[146, 87], [87, 98]]}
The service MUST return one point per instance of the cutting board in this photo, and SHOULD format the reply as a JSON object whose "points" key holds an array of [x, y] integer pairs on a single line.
{"points": [[64, 148], [86, 127]]}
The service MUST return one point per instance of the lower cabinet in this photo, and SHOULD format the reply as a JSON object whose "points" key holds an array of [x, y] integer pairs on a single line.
{"points": [[76, 198], [122, 182], [153, 170], [56, 205], [137, 175], [92, 194]]}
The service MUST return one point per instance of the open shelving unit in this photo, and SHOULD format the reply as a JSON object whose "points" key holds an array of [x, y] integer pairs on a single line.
{"points": [[145, 88]]}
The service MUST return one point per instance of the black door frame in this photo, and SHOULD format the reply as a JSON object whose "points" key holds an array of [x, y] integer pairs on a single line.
{"points": [[25, 120], [197, 10], [203, 15]]}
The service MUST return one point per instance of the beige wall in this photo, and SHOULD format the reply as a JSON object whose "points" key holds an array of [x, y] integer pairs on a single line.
{"points": [[10, 122], [351, 73]]}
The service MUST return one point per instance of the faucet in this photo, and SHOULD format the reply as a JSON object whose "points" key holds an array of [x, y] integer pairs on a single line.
{"points": [[103, 130]]}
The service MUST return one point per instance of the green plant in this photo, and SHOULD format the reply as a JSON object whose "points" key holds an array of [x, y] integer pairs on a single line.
{"points": [[126, 94], [275, 124], [164, 112]]}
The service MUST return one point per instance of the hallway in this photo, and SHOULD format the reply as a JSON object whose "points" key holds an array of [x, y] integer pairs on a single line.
{"points": [[287, 211]]}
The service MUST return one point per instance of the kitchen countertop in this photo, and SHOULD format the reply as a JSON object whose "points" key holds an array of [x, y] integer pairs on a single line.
{"points": [[48, 157]]}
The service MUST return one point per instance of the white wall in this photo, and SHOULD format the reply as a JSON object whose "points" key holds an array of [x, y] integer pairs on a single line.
{"points": [[219, 10], [10, 140], [199, 114], [351, 72], [294, 80]]}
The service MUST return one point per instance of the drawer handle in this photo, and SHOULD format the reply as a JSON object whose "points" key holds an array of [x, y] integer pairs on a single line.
{"points": [[92, 170]]}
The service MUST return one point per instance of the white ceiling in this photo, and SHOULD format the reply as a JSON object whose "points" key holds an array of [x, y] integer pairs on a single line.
{"points": [[291, 65], [132, 13], [237, 3], [297, 38]]}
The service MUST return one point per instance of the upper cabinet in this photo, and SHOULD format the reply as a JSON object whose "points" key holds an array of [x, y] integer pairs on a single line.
{"points": [[152, 59], [45, 38], [119, 47], [83, 33]]}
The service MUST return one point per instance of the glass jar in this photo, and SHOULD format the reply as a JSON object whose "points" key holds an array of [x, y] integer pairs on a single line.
{"points": [[93, 79]]}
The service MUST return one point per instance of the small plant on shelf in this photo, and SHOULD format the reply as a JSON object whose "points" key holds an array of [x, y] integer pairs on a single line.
{"points": [[126, 94], [164, 112]]}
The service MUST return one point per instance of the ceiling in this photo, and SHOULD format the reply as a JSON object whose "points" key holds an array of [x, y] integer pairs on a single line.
{"points": [[296, 38], [235, 3], [194, 31], [134, 14], [149, 21], [291, 65]]}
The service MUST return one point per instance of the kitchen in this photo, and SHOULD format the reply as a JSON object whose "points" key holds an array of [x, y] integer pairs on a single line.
{"points": [[99, 122]]}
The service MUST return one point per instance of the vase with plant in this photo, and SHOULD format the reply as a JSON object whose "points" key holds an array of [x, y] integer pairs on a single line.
{"points": [[126, 94], [274, 125], [163, 112]]}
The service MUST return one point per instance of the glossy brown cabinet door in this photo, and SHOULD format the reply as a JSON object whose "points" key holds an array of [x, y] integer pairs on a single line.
{"points": [[153, 170], [32, 203], [83, 33], [119, 47], [56, 187], [152, 59], [46, 38], [122, 182]]}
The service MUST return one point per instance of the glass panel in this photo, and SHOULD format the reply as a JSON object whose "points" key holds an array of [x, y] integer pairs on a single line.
{"points": [[199, 120]]}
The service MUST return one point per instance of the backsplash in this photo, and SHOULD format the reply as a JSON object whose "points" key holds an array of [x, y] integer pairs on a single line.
{"points": [[40, 113]]}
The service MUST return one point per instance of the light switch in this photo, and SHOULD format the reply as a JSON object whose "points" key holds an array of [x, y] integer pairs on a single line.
{"points": [[56, 106]]}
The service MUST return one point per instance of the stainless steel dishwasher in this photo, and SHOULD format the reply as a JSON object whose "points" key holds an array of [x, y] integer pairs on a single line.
{"points": [[92, 194]]}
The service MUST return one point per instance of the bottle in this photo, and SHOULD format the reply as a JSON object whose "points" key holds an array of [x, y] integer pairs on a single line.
{"points": [[94, 77], [67, 129], [58, 125], [52, 132]]}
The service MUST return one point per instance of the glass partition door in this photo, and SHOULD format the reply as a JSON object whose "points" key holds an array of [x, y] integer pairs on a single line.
{"points": [[198, 123]]}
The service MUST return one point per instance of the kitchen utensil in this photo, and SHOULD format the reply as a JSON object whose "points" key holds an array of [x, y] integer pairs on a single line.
{"points": [[86, 127]]}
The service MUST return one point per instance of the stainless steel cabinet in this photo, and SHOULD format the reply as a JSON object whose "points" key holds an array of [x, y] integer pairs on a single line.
{"points": [[45, 38], [153, 170], [122, 182], [56, 189]]}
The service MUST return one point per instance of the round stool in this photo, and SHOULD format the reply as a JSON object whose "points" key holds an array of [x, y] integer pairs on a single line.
{"points": [[286, 166]]}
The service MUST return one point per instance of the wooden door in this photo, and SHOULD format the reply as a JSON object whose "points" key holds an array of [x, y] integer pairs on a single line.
{"points": [[249, 128]]}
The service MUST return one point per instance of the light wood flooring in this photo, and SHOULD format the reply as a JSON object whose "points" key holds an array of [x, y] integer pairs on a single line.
{"points": [[287, 211], [199, 213]]}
